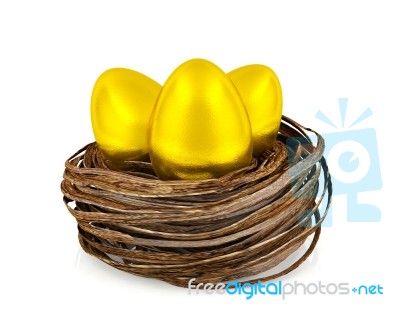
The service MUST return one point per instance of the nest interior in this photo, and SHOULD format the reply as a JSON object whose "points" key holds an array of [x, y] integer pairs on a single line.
{"points": [[216, 230]]}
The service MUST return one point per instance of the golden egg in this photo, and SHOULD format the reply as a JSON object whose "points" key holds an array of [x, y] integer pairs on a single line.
{"points": [[261, 93], [121, 106], [199, 128]]}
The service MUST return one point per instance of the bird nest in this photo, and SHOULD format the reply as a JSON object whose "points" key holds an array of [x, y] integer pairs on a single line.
{"points": [[215, 230]]}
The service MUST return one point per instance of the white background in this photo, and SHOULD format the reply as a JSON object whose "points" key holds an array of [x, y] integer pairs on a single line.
{"points": [[51, 54]]}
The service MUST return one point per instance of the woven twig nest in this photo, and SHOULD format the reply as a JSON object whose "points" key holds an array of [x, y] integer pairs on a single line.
{"points": [[216, 230]]}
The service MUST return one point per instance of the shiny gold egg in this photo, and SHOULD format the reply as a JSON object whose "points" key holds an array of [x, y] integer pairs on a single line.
{"points": [[121, 106], [199, 128], [261, 93]]}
